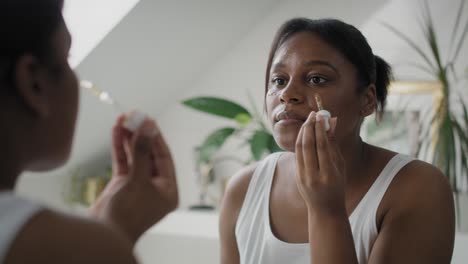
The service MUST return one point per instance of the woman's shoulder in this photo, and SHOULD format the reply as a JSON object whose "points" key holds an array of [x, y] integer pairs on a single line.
{"points": [[414, 172], [60, 235], [417, 209], [418, 188], [239, 183], [233, 199], [419, 177]]}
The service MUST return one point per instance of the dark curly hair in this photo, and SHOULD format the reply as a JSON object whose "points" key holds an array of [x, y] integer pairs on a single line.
{"points": [[26, 27]]}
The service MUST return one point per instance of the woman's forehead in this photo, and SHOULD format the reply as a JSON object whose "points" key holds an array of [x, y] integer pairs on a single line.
{"points": [[306, 47]]}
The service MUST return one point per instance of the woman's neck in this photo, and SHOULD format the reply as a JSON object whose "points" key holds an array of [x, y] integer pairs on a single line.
{"points": [[355, 154]]}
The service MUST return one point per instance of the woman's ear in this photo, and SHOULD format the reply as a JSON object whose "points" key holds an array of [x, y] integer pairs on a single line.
{"points": [[369, 101], [30, 84]]}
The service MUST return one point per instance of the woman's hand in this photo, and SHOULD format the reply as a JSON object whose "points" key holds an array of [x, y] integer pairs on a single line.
{"points": [[320, 167], [143, 187]]}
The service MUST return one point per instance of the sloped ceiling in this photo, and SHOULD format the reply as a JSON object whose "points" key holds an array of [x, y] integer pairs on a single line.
{"points": [[89, 22], [154, 53]]}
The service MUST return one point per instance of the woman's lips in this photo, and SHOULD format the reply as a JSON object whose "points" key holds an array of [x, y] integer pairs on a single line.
{"points": [[289, 118], [286, 122]]}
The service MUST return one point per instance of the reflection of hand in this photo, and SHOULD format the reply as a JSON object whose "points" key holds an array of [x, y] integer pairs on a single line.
{"points": [[143, 187], [320, 166]]}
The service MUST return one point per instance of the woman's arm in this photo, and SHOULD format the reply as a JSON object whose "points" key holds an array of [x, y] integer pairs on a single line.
{"points": [[321, 182], [55, 238], [420, 226], [232, 203]]}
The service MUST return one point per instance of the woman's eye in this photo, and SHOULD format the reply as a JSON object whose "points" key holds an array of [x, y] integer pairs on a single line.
{"points": [[279, 81], [317, 80]]}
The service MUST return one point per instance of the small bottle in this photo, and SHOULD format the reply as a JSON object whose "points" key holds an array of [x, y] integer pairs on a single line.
{"points": [[133, 119], [322, 112]]}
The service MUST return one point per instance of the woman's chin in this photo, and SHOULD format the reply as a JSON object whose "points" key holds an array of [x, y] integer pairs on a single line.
{"points": [[287, 144]]}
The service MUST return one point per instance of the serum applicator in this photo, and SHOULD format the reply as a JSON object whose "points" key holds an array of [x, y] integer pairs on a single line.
{"points": [[322, 112], [133, 119]]}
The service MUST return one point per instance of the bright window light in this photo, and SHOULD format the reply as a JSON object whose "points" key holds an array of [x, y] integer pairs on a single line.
{"points": [[89, 21]]}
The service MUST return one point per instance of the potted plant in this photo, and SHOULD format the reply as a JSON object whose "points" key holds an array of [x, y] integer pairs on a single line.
{"points": [[247, 126], [81, 190], [448, 144]]}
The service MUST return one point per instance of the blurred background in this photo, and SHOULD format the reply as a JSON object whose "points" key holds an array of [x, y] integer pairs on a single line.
{"points": [[153, 55]]}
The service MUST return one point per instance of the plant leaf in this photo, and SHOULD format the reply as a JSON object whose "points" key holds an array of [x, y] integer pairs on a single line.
{"points": [[463, 138], [411, 43], [273, 146], [460, 43], [430, 35], [243, 119], [457, 23], [462, 133], [451, 67], [428, 119], [220, 107], [432, 39], [259, 143], [213, 143], [451, 150]]}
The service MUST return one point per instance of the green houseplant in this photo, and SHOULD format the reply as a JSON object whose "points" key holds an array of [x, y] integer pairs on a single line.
{"points": [[246, 126], [448, 144], [83, 189]]}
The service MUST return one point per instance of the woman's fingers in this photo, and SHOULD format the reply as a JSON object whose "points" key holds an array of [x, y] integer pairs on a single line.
{"points": [[299, 155], [309, 144], [164, 175], [322, 146], [333, 123], [142, 150], [335, 153], [119, 156], [162, 158]]}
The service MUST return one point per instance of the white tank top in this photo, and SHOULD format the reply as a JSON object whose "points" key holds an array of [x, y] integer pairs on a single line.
{"points": [[258, 245], [14, 214]]}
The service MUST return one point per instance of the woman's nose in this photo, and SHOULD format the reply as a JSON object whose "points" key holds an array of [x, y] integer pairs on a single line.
{"points": [[291, 94]]}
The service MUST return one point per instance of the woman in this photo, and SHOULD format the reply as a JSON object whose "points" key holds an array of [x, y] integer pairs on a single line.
{"points": [[39, 99], [332, 198]]}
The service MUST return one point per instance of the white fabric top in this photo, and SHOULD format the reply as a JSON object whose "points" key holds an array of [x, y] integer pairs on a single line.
{"points": [[14, 214], [258, 245]]}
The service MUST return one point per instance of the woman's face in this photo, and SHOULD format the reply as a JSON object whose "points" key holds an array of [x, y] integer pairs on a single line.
{"points": [[305, 65], [63, 100]]}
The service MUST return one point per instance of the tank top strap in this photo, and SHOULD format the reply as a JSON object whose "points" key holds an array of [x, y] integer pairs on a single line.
{"points": [[371, 200], [15, 212], [259, 186]]}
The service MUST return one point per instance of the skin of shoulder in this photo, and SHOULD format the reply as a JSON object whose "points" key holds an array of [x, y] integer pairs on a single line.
{"points": [[419, 220], [52, 237], [237, 187], [230, 209]]}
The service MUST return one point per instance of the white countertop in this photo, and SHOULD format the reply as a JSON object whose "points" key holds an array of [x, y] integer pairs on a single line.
{"points": [[203, 224]]}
